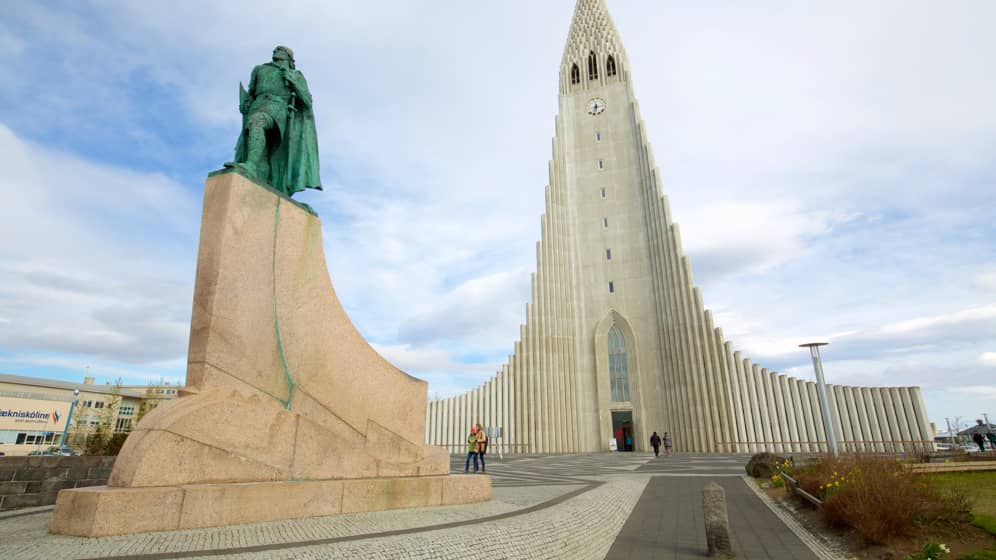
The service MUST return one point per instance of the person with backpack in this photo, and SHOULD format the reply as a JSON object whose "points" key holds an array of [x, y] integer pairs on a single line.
{"points": [[482, 446], [471, 450], [655, 442]]}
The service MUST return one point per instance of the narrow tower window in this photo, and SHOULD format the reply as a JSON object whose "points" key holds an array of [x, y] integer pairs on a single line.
{"points": [[610, 66], [575, 75], [618, 370], [592, 66], [603, 192], [612, 288], [605, 223], [598, 136], [608, 254], [601, 164]]}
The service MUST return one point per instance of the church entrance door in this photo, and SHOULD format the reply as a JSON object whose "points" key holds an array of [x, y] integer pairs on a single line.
{"points": [[622, 429]]}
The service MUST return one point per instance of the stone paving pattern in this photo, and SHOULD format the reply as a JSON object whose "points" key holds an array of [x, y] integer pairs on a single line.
{"points": [[569, 506]]}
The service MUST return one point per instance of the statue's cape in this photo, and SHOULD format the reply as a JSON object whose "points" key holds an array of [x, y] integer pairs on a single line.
{"points": [[301, 138], [303, 161]]}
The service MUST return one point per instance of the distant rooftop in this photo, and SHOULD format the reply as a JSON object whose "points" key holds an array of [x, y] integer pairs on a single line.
{"points": [[107, 389]]}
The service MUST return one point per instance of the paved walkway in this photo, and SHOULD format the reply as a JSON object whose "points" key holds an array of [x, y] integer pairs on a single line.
{"points": [[577, 507], [667, 522]]}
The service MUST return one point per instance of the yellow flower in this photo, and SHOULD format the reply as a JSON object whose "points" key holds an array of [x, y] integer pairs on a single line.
{"points": [[836, 483], [835, 473]]}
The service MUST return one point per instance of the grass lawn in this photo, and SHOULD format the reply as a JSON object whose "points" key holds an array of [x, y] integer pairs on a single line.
{"points": [[980, 486]]}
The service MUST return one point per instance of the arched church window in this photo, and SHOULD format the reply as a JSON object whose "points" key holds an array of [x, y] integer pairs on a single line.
{"points": [[618, 370], [592, 66], [575, 75], [610, 66]]}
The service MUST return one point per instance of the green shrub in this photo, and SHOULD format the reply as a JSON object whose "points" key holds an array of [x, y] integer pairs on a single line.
{"points": [[987, 554], [763, 465]]}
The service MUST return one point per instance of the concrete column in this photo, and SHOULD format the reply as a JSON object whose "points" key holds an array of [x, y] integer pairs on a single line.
{"points": [[894, 416], [698, 370], [686, 434], [871, 408], [738, 406], [867, 433], [852, 414], [772, 401], [761, 416], [839, 401], [902, 417], [908, 421], [724, 392], [838, 428], [882, 411], [521, 435], [749, 394], [790, 422], [817, 412], [807, 416], [767, 410], [923, 422], [798, 416], [711, 381]]}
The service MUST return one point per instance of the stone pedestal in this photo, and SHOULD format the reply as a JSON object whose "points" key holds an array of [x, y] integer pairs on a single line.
{"points": [[287, 413]]}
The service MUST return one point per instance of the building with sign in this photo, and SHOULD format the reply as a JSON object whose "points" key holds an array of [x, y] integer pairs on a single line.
{"points": [[616, 342], [34, 411]]}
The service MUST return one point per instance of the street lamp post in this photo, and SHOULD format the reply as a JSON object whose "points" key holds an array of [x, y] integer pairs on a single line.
{"points": [[821, 390], [69, 419]]}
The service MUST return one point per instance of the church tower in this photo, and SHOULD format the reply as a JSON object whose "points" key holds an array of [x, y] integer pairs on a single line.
{"points": [[616, 342]]}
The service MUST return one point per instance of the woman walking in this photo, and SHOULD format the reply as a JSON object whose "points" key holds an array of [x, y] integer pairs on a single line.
{"points": [[471, 450], [667, 444]]}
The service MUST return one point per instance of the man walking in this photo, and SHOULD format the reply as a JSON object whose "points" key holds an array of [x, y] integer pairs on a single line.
{"points": [[977, 436], [667, 444], [655, 442], [482, 446]]}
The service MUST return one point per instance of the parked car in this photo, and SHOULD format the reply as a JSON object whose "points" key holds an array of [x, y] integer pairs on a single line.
{"points": [[946, 447], [64, 450], [970, 448]]}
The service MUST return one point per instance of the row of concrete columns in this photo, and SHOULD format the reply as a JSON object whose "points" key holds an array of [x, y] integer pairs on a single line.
{"points": [[536, 392]]}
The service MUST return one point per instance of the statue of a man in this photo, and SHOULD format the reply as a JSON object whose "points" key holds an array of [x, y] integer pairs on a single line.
{"points": [[278, 144]]}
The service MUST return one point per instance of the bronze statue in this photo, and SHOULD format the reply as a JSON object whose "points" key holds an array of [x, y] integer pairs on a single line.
{"points": [[278, 144]]}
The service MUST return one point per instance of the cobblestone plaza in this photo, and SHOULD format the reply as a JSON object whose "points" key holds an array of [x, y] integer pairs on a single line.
{"points": [[617, 505]]}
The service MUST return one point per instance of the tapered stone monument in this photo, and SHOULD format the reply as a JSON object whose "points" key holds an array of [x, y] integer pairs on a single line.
{"points": [[288, 412]]}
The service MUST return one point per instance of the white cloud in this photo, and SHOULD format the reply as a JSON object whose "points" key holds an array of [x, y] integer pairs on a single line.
{"points": [[988, 358], [94, 271], [986, 281]]}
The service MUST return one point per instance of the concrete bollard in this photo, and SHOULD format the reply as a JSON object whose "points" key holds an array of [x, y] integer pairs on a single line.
{"points": [[717, 524]]}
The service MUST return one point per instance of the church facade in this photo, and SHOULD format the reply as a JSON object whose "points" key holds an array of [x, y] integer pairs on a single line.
{"points": [[616, 343]]}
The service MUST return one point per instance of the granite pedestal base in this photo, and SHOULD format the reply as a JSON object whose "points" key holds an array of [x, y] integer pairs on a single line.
{"points": [[101, 511]]}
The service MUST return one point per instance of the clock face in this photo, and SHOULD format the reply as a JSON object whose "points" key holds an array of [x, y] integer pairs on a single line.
{"points": [[596, 106]]}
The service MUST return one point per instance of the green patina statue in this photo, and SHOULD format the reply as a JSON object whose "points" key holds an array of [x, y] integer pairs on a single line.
{"points": [[278, 144]]}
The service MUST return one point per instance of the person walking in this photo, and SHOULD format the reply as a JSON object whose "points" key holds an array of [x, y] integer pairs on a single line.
{"points": [[978, 439], [482, 445], [991, 437], [655, 442], [667, 444], [471, 450]]}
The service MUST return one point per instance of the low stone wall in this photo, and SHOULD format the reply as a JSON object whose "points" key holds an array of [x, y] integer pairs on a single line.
{"points": [[36, 481]]}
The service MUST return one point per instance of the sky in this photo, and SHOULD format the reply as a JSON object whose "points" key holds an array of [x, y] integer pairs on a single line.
{"points": [[831, 165]]}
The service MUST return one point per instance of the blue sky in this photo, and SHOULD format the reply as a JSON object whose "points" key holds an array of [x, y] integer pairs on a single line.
{"points": [[832, 166]]}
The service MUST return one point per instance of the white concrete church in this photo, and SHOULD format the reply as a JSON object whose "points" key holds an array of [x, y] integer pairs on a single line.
{"points": [[616, 342]]}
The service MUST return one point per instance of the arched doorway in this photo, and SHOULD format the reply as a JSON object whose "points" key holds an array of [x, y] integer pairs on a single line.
{"points": [[622, 429]]}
